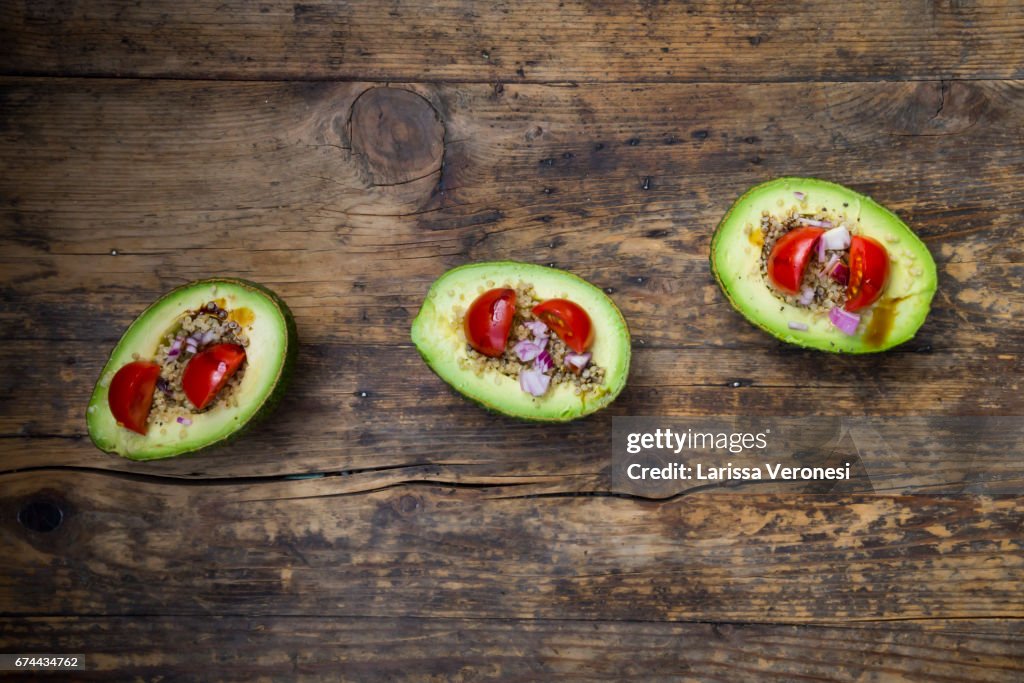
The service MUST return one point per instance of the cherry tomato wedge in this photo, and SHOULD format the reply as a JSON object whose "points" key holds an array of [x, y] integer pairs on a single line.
{"points": [[489, 320], [208, 372], [869, 272], [130, 395], [569, 321], [789, 258]]}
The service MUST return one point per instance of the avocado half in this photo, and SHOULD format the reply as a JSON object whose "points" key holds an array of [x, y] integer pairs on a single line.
{"points": [[438, 335], [892, 320], [270, 358]]}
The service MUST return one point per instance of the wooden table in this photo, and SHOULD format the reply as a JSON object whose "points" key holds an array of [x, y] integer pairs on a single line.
{"points": [[379, 526]]}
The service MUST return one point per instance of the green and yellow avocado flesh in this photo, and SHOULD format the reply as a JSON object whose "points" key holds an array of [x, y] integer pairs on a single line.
{"points": [[736, 261], [272, 348], [440, 338]]}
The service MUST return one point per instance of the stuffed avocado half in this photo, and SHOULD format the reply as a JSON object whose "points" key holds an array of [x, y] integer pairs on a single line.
{"points": [[525, 340], [819, 265], [195, 368]]}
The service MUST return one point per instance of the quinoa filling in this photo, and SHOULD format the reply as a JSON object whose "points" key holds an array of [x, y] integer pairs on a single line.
{"points": [[824, 281], [583, 380], [193, 332]]}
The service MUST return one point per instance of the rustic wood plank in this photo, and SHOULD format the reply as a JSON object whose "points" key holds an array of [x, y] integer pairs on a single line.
{"points": [[369, 649], [305, 547], [529, 40], [355, 412], [187, 180]]}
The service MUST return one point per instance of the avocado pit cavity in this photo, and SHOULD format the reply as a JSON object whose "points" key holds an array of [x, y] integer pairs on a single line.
{"points": [[195, 331], [534, 355], [827, 274]]}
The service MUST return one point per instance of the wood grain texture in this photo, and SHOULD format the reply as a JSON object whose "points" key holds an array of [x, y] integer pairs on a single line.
{"points": [[255, 649], [188, 180], [132, 547], [381, 528], [575, 40]]}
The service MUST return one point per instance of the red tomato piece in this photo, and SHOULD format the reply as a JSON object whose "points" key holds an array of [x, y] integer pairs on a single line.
{"points": [[869, 273], [489, 321], [130, 395], [789, 258], [208, 372], [569, 321]]}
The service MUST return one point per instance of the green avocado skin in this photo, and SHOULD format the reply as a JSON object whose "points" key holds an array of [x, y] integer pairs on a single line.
{"points": [[743, 288], [269, 401], [439, 341]]}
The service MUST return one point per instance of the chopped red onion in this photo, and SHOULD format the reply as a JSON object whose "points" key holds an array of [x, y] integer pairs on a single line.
{"points": [[821, 250], [173, 352], [813, 223], [840, 273], [543, 362], [844, 321], [538, 328], [806, 296], [184, 421], [799, 195], [793, 325], [837, 238], [527, 350], [577, 360], [533, 381], [208, 337]]}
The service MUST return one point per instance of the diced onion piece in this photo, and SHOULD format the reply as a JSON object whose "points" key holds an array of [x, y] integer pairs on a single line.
{"points": [[844, 321], [533, 381], [840, 273], [538, 328], [837, 238], [184, 421], [806, 296], [208, 337], [799, 195], [543, 361], [821, 250], [813, 222], [794, 325], [526, 350], [577, 360]]}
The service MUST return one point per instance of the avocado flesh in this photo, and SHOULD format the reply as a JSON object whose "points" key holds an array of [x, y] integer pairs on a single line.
{"points": [[892, 320], [273, 345], [438, 334]]}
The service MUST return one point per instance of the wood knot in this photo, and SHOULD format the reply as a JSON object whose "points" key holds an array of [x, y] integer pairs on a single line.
{"points": [[408, 504], [42, 516], [398, 134]]}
